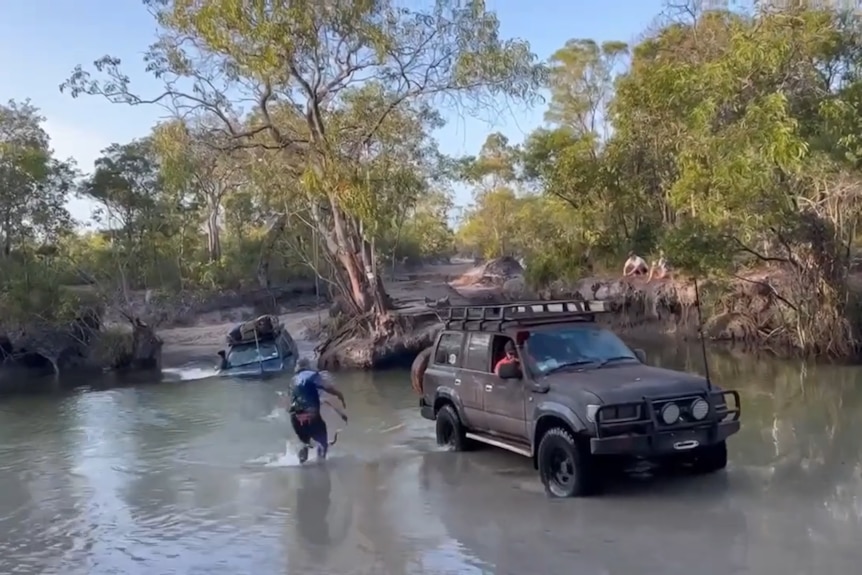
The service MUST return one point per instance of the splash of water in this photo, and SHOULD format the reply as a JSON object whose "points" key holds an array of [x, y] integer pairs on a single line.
{"points": [[190, 373], [283, 460], [286, 459], [277, 414]]}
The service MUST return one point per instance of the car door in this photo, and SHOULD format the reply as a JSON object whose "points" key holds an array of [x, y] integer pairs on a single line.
{"points": [[476, 374], [446, 369], [505, 404]]}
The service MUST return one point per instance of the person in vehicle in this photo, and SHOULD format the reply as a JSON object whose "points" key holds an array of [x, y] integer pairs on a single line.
{"points": [[511, 357], [635, 265], [305, 416]]}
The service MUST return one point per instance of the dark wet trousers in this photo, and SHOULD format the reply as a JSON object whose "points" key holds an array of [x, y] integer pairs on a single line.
{"points": [[308, 426]]}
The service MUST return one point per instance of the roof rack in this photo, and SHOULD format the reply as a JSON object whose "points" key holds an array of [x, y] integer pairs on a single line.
{"points": [[528, 313], [263, 328]]}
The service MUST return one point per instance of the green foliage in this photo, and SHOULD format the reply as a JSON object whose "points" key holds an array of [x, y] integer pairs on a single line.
{"points": [[698, 249], [347, 96], [716, 138], [721, 142], [33, 184]]}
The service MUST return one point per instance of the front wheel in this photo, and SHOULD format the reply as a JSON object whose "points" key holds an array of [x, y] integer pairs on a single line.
{"points": [[450, 431], [566, 468]]}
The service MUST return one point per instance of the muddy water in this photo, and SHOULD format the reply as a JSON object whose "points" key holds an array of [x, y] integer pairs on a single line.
{"points": [[196, 477]]}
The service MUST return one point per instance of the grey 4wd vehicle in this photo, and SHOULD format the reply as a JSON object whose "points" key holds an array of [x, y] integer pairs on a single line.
{"points": [[576, 399]]}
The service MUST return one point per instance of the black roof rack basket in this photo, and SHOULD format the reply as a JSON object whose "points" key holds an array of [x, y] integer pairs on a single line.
{"points": [[486, 317]]}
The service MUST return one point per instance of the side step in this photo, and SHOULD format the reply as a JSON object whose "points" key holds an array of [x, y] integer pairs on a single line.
{"points": [[499, 443]]}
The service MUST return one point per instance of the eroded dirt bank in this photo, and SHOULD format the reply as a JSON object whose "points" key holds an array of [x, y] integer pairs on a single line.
{"points": [[749, 310], [306, 321], [745, 311], [765, 309]]}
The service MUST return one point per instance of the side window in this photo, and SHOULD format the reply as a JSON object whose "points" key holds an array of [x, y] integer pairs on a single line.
{"points": [[498, 350], [477, 356], [449, 349]]}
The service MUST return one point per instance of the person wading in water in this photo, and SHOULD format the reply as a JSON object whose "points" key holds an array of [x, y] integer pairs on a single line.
{"points": [[304, 409]]}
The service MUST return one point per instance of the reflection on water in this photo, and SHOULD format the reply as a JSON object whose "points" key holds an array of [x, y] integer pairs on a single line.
{"points": [[195, 477]]}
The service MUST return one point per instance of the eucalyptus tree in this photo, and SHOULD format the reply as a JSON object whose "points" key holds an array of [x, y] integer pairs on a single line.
{"points": [[202, 172], [343, 70]]}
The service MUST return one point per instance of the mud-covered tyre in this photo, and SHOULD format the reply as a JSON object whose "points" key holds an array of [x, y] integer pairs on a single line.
{"points": [[710, 458], [566, 467], [450, 430]]}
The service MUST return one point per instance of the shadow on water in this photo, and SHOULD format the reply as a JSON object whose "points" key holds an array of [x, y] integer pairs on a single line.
{"points": [[174, 478]]}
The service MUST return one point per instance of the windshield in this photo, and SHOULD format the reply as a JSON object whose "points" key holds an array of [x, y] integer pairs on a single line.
{"points": [[247, 353], [549, 350]]}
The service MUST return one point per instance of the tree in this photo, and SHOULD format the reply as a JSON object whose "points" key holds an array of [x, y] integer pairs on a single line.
{"points": [[127, 182], [33, 184], [309, 57], [733, 143], [200, 173], [581, 83]]}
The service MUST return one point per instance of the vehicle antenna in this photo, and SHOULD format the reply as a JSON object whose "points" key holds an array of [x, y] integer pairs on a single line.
{"points": [[257, 347], [702, 336], [316, 249]]}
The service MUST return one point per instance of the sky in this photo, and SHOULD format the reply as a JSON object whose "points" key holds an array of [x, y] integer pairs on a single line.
{"points": [[41, 41]]}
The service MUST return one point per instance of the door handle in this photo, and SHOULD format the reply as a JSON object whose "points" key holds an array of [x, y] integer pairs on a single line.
{"points": [[489, 388], [457, 382]]}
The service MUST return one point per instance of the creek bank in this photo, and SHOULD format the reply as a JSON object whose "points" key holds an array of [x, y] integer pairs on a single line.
{"points": [[191, 307], [770, 308], [83, 345], [130, 337], [756, 310], [416, 303], [414, 332]]}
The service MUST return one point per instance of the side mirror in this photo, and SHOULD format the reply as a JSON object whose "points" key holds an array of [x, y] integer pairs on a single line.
{"points": [[641, 355], [510, 371], [221, 353]]}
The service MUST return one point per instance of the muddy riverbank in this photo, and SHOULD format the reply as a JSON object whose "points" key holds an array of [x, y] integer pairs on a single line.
{"points": [[664, 308]]}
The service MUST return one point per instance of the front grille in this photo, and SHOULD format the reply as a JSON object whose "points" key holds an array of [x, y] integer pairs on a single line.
{"points": [[644, 416]]}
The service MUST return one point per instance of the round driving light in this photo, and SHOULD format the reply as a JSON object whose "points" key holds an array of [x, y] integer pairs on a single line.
{"points": [[670, 413], [699, 409]]}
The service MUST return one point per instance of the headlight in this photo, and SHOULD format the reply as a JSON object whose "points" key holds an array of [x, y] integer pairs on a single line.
{"points": [[670, 413], [592, 409], [699, 409]]}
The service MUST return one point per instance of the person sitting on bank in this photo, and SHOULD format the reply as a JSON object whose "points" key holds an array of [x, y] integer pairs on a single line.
{"points": [[659, 269], [511, 357], [635, 265]]}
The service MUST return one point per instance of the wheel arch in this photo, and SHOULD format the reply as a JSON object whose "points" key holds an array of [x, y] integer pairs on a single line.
{"points": [[549, 417], [446, 396]]}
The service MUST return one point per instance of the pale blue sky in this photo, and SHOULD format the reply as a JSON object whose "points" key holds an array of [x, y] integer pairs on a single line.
{"points": [[42, 40]]}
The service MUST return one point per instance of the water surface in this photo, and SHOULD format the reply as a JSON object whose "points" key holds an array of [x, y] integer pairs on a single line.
{"points": [[196, 477]]}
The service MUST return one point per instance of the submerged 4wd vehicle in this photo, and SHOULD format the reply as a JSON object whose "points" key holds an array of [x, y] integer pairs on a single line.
{"points": [[571, 396]]}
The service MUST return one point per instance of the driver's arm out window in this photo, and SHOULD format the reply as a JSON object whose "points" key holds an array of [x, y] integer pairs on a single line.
{"points": [[500, 342]]}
